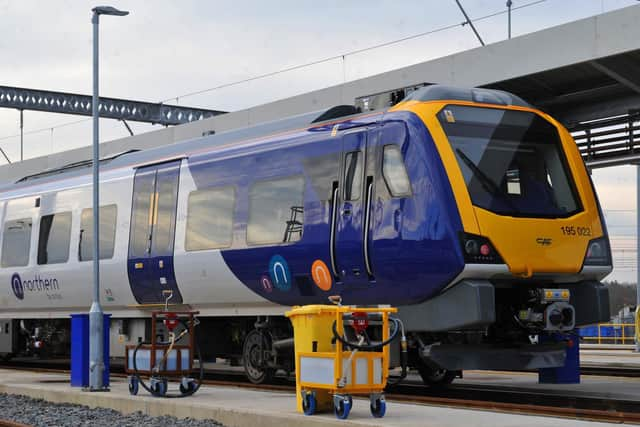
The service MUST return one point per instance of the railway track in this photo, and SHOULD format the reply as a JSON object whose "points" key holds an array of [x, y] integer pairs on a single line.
{"points": [[9, 423], [462, 396], [599, 371]]}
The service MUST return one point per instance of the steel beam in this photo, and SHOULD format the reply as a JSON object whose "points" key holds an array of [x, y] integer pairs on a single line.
{"points": [[111, 108], [627, 74]]}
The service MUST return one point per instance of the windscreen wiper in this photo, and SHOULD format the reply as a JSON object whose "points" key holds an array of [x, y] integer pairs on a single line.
{"points": [[487, 183]]}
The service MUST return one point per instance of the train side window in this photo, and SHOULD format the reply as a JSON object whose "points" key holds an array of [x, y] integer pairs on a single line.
{"points": [[54, 239], [276, 213], [16, 242], [210, 219], [352, 175], [108, 217], [394, 172]]}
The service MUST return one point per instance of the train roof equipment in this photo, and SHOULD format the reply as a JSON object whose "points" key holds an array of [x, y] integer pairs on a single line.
{"points": [[378, 102]]}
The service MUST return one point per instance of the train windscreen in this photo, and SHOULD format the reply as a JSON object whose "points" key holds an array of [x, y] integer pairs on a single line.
{"points": [[512, 161]]}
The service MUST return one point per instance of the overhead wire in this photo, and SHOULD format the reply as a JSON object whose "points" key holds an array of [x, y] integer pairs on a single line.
{"points": [[47, 128], [304, 65], [350, 53]]}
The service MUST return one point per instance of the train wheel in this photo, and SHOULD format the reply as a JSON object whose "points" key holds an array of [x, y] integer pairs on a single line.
{"points": [[255, 346], [435, 377]]}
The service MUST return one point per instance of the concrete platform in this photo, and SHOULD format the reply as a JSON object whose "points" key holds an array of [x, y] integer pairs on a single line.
{"points": [[234, 406], [623, 358]]}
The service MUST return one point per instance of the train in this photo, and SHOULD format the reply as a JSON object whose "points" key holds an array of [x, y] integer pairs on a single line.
{"points": [[467, 208]]}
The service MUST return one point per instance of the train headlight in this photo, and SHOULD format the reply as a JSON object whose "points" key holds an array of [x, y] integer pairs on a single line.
{"points": [[598, 252], [479, 250], [471, 247]]}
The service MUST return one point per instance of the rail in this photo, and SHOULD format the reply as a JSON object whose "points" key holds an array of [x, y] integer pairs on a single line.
{"points": [[11, 423], [609, 333]]}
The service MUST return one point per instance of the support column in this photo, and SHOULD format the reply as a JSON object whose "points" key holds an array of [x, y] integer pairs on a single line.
{"points": [[637, 258], [21, 135]]}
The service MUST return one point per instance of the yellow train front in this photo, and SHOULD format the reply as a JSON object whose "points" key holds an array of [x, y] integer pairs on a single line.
{"points": [[534, 241]]}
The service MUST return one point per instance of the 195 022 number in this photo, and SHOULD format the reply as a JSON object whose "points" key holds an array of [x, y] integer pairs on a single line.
{"points": [[576, 231]]}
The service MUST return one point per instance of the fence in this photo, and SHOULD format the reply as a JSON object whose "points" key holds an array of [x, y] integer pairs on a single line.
{"points": [[609, 333]]}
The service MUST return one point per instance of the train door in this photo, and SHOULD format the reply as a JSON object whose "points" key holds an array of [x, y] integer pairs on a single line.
{"points": [[351, 208], [151, 238]]}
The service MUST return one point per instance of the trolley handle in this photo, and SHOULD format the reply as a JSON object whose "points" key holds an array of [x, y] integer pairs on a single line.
{"points": [[374, 346]]}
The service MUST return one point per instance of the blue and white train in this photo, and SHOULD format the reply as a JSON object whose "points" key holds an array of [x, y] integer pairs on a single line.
{"points": [[466, 207]]}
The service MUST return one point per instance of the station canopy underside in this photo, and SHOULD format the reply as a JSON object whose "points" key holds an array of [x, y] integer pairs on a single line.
{"points": [[598, 101]]}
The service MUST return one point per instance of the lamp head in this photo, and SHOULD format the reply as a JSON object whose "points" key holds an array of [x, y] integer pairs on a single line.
{"points": [[108, 10]]}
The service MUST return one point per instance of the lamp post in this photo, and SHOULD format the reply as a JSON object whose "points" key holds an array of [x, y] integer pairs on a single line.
{"points": [[96, 317]]}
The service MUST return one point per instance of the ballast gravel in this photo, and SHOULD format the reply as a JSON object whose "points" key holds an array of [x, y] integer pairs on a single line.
{"points": [[40, 413]]}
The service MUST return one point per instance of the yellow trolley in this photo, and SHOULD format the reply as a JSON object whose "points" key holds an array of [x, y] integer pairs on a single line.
{"points": [[327, 373]]}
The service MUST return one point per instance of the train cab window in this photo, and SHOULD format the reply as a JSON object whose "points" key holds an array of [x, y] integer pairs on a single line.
{"points": [[276, 213], [16, 242], [513, 181], [108, 217], [55, 235], [513, 162], [394, 172], [210, 219], [352, 175]]}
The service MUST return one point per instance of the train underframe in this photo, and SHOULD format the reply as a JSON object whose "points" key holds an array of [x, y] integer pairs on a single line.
{"points": [[476, 324]]}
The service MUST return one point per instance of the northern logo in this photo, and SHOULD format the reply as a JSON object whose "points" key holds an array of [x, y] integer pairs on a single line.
{"points": [[37, 284], [16, 285]]}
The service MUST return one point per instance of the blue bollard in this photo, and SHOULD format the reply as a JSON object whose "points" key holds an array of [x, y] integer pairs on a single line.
{"points": [[80, 350], [570, 372]]}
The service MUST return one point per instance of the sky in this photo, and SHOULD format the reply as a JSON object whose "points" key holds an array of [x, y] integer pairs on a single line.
{"points": [[165, 50]]}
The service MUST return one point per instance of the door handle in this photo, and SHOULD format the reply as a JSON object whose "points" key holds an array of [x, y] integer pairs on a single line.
{"points": [[367, 223], [332, 237], [397, 219]]}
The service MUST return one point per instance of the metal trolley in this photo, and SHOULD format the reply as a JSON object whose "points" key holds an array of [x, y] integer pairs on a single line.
{"points": [[330, 368], [161, 360]]}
